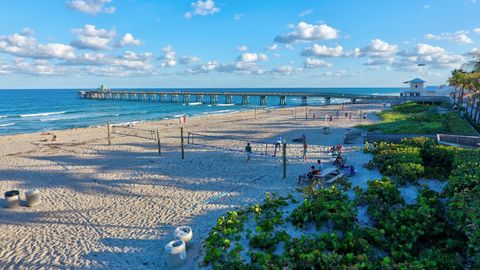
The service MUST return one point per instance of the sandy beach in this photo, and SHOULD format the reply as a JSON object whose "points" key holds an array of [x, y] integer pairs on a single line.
{"points": [[116, 206]]}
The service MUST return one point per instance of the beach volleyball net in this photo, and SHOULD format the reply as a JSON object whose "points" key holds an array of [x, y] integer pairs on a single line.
{"points": [[134, 132], [232, 144]]}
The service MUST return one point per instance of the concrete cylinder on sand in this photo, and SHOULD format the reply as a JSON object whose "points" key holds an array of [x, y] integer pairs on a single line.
{"points": [[184, 233], [12, 198], [33, 197], [175, 254]]}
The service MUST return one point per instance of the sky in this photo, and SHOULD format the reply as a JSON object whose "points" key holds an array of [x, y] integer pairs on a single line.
{"points": [[234, 43]]}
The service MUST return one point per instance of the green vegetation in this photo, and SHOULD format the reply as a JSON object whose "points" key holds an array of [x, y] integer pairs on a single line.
{"points": [[413, 159], [438, 231], [412, 118]]}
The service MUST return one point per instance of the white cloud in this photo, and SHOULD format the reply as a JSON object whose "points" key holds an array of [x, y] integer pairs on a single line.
{"points": [[305, 12], [242, 48], [477, 30], [323, 51], [252, 57], [202, 8], [240, 67], [427, 6], [378, 49], [131, 60], [168, 59], [432, 56], [286, 70], [245, 64], [57, 58], [460, 37], [115, 71], [25, 45], [36, 68], [355, 53], [237, 17], [91, 7], [308, 32], [312, 63], [127, 40], [203, 68], [89, 37], [272, 47], [338, 74], [187, 60], [380, 61]]}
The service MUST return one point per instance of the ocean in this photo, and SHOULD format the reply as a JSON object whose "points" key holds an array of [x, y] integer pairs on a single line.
{"points": [[26, 111]]}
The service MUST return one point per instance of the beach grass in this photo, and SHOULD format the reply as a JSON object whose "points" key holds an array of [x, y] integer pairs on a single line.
{"points": [[412, 118]]}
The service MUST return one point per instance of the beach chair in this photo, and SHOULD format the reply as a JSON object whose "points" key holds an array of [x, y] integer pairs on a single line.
{"points": [[325, 172]]}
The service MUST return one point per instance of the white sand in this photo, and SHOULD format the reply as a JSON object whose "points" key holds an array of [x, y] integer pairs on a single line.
{"points": [[116, 206]]}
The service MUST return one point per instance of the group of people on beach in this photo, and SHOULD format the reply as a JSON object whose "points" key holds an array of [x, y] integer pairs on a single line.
{"points": [[339, 162], [315, 169]]}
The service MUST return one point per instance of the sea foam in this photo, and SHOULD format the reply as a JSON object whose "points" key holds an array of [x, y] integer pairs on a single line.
{"points": [[41, 114]]}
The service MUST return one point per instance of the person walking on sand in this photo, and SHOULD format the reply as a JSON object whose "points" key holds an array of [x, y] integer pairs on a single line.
{"points": [[54, 138], [319, 165], [248, 150], [305, 146], [277, 145]]}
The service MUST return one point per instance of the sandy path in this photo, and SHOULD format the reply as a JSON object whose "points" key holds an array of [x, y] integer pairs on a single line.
{"points": [[115, 207]]}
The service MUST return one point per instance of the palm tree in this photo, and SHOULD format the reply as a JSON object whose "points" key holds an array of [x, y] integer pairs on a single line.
{"points": [[453, 81], [458, 80], [468, 86], [472, 79], [476, 89], [476, 61]]}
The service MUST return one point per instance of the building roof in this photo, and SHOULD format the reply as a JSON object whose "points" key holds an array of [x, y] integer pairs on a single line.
{"points": [[416, 80]]}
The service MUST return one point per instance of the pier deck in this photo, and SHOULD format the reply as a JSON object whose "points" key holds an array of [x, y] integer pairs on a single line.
{"points": [[186, 96]]}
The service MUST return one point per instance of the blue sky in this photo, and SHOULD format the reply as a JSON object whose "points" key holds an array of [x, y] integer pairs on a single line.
{"points": [[226, 43]]}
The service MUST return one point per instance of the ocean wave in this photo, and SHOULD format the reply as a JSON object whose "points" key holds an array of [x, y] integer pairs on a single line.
{"points": [[3, 116], [83, 116], [41, 114], [126, 124], [225, 105], [7, 125]]}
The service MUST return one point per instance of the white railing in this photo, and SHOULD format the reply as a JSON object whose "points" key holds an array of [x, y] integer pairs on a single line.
{"points": [[470, 141]]}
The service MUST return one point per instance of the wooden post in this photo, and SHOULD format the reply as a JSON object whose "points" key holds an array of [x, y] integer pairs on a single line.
{"points": [[284, 160], [108, 133], [306, 112], [159, 146], [181, 142], [255, 112], [266, 149], [295, 113]]}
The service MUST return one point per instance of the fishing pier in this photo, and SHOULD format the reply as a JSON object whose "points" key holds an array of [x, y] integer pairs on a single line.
{"points": [[212, 97]]}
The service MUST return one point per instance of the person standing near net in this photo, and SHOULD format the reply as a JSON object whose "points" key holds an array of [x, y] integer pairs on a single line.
{"points": [[305, 146], [277, 145], [248, 150]]}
